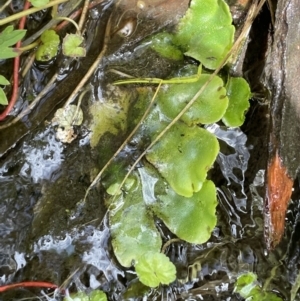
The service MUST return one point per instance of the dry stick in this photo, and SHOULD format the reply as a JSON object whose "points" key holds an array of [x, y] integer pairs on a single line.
{"points": [[253, 11], [28, 12], [83, 14], [32, 105], [94, 65], [4, 5], [123, 144]]}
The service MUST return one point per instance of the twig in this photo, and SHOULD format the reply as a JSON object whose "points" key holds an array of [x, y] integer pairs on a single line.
{"points": [[94, 65], [29, 11], [5, 5], [168, 243], [14, 95], [83, 14]]}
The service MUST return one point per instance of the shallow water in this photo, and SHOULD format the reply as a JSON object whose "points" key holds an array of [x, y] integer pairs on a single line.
{"points": [[48, 234]]}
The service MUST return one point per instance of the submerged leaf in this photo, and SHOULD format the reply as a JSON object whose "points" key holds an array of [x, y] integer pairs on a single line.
{"points": [[155, 268], [205, 32], [132, 228], [183, 157], [209, 107], [163, 43], [191, 219], [238, 92], [247, 286]]}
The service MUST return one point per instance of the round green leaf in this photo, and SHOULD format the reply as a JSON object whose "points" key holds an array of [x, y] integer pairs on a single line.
{"points": [[71, 45], [155, 268], [133, 229], [183, 157], [209, 107], [206, 32], [191, 219], [238, 92]]}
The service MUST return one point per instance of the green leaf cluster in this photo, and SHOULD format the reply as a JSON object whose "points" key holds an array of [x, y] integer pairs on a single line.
{"points": [[172, 183], [8, 38], [49, 46], [248, 287]]}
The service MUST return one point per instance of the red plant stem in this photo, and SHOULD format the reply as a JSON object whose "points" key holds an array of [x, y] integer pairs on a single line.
{"points": [[14, 94], [27, 284]]}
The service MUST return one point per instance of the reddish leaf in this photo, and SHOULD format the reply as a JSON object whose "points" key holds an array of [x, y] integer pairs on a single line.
{"points": [[279, 190]]}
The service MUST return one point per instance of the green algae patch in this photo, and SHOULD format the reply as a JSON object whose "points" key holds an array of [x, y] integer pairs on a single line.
{"points": [[109, 116], [184, 156]]}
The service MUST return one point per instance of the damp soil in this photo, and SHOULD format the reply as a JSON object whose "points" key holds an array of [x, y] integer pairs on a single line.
{"points": [[48, 234]]}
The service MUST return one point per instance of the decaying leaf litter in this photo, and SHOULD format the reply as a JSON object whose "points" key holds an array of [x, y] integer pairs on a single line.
{"points": [[134, 181]]}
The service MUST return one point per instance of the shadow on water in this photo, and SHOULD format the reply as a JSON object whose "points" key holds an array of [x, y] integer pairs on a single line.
{"points": [[47, 234]]}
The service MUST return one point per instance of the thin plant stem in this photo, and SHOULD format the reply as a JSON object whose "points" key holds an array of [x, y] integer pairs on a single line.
{"points": [[168, 243], [29, 11], [71, 21], [5, 5], [94, 65], [26, 48], [28, 284]]}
